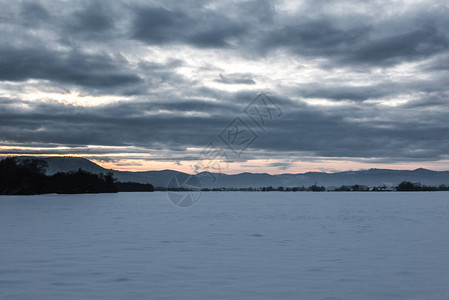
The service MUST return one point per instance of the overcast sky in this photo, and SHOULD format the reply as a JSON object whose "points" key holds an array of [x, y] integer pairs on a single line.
{"points": [[147, 85]]}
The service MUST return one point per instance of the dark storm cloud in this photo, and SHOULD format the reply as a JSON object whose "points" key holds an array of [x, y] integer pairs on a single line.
{"points": [[341, 92], [351, 39], [357, 39], [373, 91], [339, 134], [201, 28], [327, 133], [314, 37], [33, 13], [98, 70], [411, 45], [430, 101], [135, 123], [94, 18]]}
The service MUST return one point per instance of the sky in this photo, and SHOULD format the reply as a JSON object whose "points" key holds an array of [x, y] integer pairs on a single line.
{"points": [[227, 86]]}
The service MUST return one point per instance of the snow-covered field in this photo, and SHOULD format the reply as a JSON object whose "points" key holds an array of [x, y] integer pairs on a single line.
{"points": [[229, 246]]}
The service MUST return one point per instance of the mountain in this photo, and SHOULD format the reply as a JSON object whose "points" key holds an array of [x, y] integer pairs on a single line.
{"points": [[372, 177], [66, 164]]}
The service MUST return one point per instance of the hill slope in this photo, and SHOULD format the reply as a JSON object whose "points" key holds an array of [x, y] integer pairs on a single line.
{"points": [[372, 177]]}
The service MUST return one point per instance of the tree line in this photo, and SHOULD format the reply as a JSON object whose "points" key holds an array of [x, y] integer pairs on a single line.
{"points": [[27, 177], [404, 186], [407, 186]]}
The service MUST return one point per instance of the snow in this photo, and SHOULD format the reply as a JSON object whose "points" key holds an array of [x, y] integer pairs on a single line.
{"points": [[231, 245]]}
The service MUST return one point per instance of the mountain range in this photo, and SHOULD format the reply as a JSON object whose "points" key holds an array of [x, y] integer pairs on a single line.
{"points": [[371, 177]]}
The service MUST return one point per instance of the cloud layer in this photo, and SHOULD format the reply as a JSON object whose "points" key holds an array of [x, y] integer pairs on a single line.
{"points": [[356, 82]]}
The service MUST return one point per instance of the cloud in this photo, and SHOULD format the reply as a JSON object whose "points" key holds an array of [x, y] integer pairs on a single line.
{"points": [[200, 28], [237, 78], [366, 81], [74, 67], [95, 18], [326, 133], [280, 165], [354, 38], [33, 13]]}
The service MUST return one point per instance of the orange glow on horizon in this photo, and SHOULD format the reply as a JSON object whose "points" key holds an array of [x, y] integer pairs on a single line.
{"points": [[140, 162], [261, 166]]}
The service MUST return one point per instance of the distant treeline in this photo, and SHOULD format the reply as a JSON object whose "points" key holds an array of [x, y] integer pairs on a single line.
{"points": [[134, 187], [312, 188], [405, 186], [27, 177]]}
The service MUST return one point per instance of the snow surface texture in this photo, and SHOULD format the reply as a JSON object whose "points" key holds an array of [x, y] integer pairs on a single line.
{"points": [[228, 246]]}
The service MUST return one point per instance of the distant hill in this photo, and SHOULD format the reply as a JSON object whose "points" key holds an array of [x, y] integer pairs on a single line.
{"points": [[372, 177], [66, 164]]}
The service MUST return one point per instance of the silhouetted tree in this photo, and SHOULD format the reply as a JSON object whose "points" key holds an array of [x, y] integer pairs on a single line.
{"points": [[316, 188], [343, 188], [135, 187], [82, 182], [25, 177], [407, 186]]}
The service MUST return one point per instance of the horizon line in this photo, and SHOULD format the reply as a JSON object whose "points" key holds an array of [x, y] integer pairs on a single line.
{"points": [[2, 156]]}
